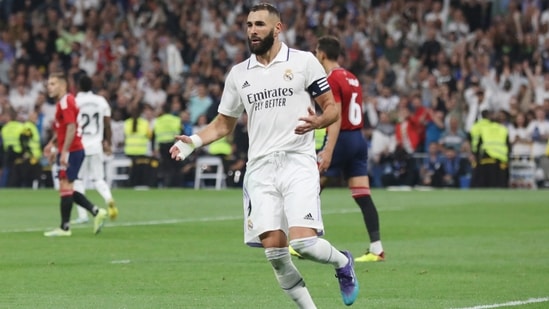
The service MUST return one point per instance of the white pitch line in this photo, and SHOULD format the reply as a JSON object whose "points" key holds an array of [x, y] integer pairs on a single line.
{"points": [[121, 262], [170, 221], [135, 223], [511, 303]]}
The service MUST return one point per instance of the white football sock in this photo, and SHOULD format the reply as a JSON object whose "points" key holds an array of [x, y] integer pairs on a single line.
{"points": [[82, 212], [103, 188], [376, 247], [289, 278], [319, 250], [78, 185]]}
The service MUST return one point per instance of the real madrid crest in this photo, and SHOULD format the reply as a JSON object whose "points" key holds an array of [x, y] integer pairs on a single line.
{"points": [[288, 75]]}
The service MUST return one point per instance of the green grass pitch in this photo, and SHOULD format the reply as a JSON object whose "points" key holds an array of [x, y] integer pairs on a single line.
{"points": [[184, 249]]}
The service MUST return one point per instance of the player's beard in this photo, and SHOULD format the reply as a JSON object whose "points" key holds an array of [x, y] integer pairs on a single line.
{"points": [[264, 46]]}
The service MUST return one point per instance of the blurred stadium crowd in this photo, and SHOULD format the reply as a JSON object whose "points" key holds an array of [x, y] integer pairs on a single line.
{"points": [[430, 70]]}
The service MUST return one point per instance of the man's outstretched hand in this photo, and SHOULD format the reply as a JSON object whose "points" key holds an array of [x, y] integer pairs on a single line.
{"points": [[182, 148]]}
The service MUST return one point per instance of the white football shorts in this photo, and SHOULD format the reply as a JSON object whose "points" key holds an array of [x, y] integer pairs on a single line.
{"points": [[281, 190], [92, 167]]}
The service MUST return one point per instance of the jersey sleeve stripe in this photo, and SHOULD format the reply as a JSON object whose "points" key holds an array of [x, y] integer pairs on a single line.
{"points": [[319, 87], [323, 84], [63, 102]]}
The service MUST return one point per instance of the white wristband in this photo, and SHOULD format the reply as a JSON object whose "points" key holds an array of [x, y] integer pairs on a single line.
{"points": [[184, 149], [197, 141]]}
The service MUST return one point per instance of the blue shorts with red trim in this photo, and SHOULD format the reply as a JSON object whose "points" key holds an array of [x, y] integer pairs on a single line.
{"points": [[350, 156], [75, 162]]}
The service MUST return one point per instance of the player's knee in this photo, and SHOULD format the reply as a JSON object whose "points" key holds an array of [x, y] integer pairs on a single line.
{"points": [[277, 256], [360, 191], [65, 192], [302, 245], [98, 183]]}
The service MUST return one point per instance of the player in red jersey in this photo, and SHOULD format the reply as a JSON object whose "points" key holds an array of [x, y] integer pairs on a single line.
{"points": [[345, 150], [69, 157]]}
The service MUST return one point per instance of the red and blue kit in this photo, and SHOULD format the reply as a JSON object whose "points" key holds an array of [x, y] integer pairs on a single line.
{"points": [[347, 91], [351, 150], [66, 113]]}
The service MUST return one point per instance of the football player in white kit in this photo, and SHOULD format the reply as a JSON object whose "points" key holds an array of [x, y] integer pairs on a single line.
{"points": [[281, 186], [95, 121]]}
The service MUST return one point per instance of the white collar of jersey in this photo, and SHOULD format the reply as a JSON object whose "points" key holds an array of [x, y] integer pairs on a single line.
{"points": [[282, 56], [84, 92]]}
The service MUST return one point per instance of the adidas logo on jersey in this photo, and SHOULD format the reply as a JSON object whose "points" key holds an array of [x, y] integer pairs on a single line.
{"points": [[246, 84], [309, 217]]}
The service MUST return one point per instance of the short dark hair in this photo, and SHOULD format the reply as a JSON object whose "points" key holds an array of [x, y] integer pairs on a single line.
{"points": [[264, 6], [85, 83], [486, 114], [330, 46]]}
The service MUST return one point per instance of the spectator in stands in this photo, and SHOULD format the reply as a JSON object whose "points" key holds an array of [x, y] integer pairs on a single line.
{"points": [[427, 127], [155, 96], [21, 98], [5, 67], [8, 50], [539, 82], [476, 102], [4, 96], [430, 49], [387, 101], [165, 128], [187, 127], [490, 144], [199, 102], [137, 135], [544, 166], [454, 168], [11, 132], [35, 81], [453, 136], [521, 140], [405, 71], [383, 141], [41, 55], [399, 168], [431, 170], [201, 122], [408, 130], [29, 168], [175, 103], [538, 130], [502, 93]]}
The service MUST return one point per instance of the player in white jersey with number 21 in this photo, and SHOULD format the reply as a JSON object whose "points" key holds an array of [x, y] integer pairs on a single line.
{"points": [[275, 87], [95, 115]]}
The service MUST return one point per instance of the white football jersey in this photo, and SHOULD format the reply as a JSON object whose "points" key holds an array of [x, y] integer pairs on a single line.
{"points": [[93, 108], [274, 97]]}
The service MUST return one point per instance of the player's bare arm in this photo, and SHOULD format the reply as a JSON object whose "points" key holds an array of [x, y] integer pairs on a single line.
{"points": [[71, 133], [51, 143], [221, 126], [325, 156], [107, 135], [313, 121], [49, 149]]}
